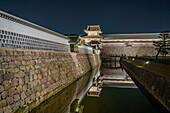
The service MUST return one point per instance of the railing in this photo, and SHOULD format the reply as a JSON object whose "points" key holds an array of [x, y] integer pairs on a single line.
{"points": [[111, 61]]}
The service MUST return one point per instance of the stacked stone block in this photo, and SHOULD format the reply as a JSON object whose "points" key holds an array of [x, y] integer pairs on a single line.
{"points": [[60, 102], [27, 77], [130, 51]]}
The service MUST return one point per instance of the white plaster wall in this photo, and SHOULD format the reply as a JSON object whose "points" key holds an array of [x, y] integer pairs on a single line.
{"points": [[85, 49], [22, 29]]}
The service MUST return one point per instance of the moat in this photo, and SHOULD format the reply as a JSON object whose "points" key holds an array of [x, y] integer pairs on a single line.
{"points": [[112, 99], [118, 100]]}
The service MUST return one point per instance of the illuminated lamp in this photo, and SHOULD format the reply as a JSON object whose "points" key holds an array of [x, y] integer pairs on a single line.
{"points": [[129, 44], [147, 62]]}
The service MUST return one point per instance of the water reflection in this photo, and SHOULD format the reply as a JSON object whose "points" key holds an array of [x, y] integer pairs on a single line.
{"points": [[116, 78], [61, 102], [118, 100], [112, 74], [119, 94]]}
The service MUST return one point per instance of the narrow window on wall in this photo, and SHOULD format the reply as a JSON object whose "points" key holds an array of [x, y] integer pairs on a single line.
{"points": [[15, 20], [1, 36], [2, 31]]}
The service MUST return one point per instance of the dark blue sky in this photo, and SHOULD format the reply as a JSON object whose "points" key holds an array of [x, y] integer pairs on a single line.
{"points": [[114, 16]]}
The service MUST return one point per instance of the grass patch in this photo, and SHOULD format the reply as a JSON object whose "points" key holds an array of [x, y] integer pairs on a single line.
{"points": [[154, 67]]}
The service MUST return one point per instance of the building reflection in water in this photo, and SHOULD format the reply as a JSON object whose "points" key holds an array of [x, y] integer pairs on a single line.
{"points": [[116, 78], [91, 83], [112, 74], [119, 93], [61, 102]]}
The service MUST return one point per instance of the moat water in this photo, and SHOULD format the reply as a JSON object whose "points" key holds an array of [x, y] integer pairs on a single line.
{"points": [[112, 99], [117, 100]]}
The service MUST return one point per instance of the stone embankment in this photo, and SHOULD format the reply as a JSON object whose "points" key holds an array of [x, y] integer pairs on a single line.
{"points": [[153, 76], [62, 101], [29, 77], [129, 51]]}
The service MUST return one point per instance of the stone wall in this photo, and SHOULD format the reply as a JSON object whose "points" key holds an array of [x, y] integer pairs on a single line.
{"points": [[62, 100], [27, 77], [157, 86], [130, 51]]}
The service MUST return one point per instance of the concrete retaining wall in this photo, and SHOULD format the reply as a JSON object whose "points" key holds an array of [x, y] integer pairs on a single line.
{"points": [[27, 77], [156, 85]]}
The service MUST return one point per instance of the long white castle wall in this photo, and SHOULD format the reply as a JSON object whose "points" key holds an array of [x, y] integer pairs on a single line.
{"points": [[19, 28], [22, 29]]}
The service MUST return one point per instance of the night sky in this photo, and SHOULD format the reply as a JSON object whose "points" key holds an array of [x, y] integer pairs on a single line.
{"points": [[114, 16]]}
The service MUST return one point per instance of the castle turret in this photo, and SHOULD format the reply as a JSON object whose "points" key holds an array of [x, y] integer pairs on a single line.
{"points": [[92, 38]]}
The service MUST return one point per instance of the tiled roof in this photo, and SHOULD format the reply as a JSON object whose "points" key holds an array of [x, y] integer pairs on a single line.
{"points": [[131, 36], [73, 37], [29, 24], [92, 36], [93, 28]]}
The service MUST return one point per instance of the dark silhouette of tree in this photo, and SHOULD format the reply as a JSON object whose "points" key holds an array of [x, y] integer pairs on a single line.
{"points": [[164, 44]]}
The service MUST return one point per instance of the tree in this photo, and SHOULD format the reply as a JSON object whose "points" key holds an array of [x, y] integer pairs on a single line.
{"points": [[163, 45]]}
